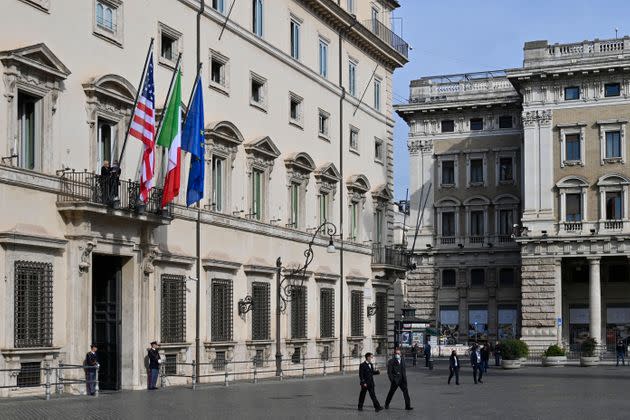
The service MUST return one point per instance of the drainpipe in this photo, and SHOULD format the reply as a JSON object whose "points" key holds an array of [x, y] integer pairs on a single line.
{"points": [[341, 212]]}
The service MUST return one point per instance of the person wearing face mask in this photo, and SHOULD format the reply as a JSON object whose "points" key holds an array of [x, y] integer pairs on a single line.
{"points": [[397, 374], [366, 377]]}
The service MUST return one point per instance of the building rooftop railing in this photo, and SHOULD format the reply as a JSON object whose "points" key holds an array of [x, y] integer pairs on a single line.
{"points": [[388, 36], [540, 52]]}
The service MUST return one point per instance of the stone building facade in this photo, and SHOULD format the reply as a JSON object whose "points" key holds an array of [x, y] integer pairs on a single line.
{"points": [[567, 105], [289, 145]]}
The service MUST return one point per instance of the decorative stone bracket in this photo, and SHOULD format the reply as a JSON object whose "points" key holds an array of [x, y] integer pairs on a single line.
{"points": [[84, 264], [147, 264]]}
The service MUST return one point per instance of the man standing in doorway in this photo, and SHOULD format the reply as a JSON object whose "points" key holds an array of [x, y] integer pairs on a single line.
{"points": [[154, 365], [366, 377], [397, 374], [91, 361]]}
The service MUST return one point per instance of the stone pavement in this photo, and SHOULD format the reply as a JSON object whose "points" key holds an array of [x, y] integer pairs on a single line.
{"points": [[529, 393]]}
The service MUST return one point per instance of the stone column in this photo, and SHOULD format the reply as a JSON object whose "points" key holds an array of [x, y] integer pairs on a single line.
{"points": [[538, 301], [558, 295], [462, 287], [595, 299]]}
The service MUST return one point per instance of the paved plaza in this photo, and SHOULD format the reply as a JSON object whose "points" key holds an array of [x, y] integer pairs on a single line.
{"points": [[529, 393]]}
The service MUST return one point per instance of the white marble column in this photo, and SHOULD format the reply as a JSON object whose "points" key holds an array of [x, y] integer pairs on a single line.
{"points": [[595, 299]]}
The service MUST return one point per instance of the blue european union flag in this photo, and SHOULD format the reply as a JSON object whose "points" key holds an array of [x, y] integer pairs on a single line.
{"points": [[193, 143]]}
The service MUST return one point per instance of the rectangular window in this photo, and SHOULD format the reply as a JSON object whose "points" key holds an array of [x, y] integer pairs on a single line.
{"points": [[170, 364], [259, 358], [295, 39], [106, 16], [505, 121], [260, 311], [477, 323], [324, 203], [351, 6], [221, 311], [573, 212], [323, 58], [106, 140], [614, 206], [30, 375], [476, 124], [506, 172], [356, 313], [378, 150], [381, 313], [352, 78], [218, 183], [571, 93], [257, 18], [613, 144], [378, 226], [28, 131], [448, 223], [257, 91], [612, 89], [298, 311], [323, 123], [377, 94], [354, 221], [572, 144], [217, 71], [476, 223], [295, 109], [449, 278], [448, 172], [173, 309], [477, 277], [354, 139], [327, 313], [506, 277], [506, 222], [295, 205], [476, 171], [168, 47], [33, 304], [257, 198], [218, 5], [448, 126], [219, 361]]}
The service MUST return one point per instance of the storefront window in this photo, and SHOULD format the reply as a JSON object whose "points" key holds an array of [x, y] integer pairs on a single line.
{"points": [[449, 325], [507, 322], [478, 323]]}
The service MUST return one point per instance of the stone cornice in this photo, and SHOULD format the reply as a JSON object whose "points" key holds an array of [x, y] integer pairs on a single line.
{"points": [[15, 238]]}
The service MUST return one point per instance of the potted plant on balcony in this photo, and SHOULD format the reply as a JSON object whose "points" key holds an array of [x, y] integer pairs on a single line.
{"points": [[588, 356], [512, 351], [554, 356]]}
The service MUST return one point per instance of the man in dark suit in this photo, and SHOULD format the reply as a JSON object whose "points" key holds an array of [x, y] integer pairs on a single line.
{"points": [[397, 374], [366, 377], [91, 360], [154, 365], [453, 367], [475, 361]]}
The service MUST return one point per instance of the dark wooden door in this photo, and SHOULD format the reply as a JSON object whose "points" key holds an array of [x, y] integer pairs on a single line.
{"points": [[106, 282]]}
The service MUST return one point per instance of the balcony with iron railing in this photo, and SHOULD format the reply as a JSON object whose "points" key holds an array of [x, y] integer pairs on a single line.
{"points": [[93, 192], [390, 257], [387, 36]]}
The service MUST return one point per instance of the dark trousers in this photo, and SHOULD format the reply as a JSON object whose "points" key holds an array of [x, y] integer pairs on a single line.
{"points": [[454, 371], [426, 359], [369, 389], [153, 377], [484, 366], [90, 381], [497, 360], [415, 358], [392, 389], [477, 369], [621, 356]]}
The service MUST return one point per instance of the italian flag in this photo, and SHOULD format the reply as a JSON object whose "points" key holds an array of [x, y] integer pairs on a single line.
{"points": [[170, 137]]}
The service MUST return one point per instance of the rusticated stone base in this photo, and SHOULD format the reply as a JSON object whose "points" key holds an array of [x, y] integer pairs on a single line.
{"points": [[421, 291], [538, 301]]}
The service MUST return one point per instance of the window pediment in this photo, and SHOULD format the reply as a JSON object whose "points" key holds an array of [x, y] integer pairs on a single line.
{"points": [[572, 182], [505, 199], [112, 87], [263, 148], [382, 193], [613, 180], [328, 173], [39, 58], [224, 132], [448, 202], [477, 201], [358, 184], [300, 162]]}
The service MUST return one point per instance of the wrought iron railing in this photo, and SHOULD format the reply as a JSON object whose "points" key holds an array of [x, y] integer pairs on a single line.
{"points": [[110, 192], [386, 35], [390, 255]]}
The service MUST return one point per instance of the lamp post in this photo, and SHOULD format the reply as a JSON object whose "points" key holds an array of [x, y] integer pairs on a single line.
{"points": [[293, 277]]}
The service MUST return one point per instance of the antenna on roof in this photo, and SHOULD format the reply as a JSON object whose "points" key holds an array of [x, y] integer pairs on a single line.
{"points": [[616, 30]]}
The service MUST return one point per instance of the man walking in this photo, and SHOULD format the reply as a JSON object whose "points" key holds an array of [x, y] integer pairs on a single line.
{"points": [[397, 374], [621, 352], [90, 373], [497, 354], [427, 353], [453, 367], [414, 352], [475, 361], [366, 377], [154, 365]]}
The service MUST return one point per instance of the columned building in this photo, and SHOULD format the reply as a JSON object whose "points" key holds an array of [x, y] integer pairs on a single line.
{"points": [[299, 131], [561, 119]]}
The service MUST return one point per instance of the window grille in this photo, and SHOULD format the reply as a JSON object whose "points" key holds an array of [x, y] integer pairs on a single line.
{"points": [[30, 375], [221, 321], [326, 353], [219, 362], [173, 313], [259, 359], [296, 357], [298, 312], [327, 313], [356, 321], [381, 313], [260, 311], [170, 364], [33, 304]]}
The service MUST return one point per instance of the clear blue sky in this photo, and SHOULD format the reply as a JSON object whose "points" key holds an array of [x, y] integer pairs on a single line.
{"points": [[460, 36]]}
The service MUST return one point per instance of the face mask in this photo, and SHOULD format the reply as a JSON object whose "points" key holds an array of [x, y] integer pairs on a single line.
{"points": [[398, 357]]}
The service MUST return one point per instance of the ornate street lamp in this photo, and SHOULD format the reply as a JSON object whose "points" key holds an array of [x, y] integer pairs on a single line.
{"points": [[287, 279]]}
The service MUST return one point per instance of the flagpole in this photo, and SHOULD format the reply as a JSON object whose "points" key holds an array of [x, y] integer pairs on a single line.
{"points": [[135, 102], [192, 94]]}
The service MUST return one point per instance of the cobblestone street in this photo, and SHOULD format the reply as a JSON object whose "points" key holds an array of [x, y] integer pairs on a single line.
{"points": [[529, 393]]}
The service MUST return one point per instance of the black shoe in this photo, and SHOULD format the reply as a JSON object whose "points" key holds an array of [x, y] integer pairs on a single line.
{"points": [[360, 408], [377, 409], [408, 408], [480, 381], [457, 383], [475, 382], [386, 406]]}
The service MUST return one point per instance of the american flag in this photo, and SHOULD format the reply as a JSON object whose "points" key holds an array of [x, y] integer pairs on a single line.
{"points": [[143, 128]]}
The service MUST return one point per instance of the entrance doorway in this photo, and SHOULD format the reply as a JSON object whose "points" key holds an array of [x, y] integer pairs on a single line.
{"points": [[106, 284]]}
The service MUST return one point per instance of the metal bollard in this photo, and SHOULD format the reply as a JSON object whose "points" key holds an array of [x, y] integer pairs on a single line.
{"points": [[47, 370], [303, 367], [61, 378], [162, 372], [255, 371], [194, 375], [324, 367], [226, 375], [96, 387]]}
